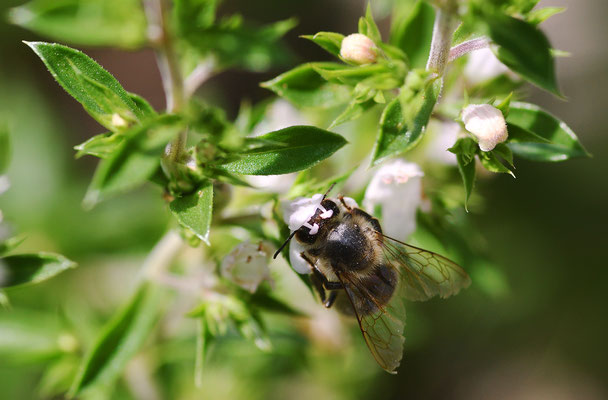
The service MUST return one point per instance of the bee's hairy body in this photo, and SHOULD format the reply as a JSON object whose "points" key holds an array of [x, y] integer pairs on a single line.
{"points": [[348, 245]]}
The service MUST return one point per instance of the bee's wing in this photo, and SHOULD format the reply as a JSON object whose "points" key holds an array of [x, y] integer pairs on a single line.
{"points": [[381, 325], [423, 274]]}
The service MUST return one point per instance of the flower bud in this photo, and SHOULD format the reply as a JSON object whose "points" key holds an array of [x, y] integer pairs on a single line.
{"points": [[247, 265], [119, 121], [358, 48], [395, 193], [486, 123]]}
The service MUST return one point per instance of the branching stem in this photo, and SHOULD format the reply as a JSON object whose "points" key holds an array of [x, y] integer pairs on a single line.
{"points": [[443, 29], [158, 13], [467, 47]]}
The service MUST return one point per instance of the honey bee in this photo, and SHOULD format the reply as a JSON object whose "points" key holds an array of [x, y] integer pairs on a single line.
{"points": [[367, 274]]}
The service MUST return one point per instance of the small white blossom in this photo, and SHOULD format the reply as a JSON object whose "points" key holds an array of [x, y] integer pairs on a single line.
{"points": [[482, 66], [395, 191], [280, 114], [298, 263], [297, 213], [358, 48], [445, 135], [247, 265], [5, 184], [486, 123], [119, 121]]}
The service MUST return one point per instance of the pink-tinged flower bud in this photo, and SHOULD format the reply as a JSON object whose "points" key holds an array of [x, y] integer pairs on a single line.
{"points": [[247, 265], [359, 49], [394, 194], [486, 123]]}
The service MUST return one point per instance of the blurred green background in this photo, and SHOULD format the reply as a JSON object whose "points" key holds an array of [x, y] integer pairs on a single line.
{"points": [[542, 337]]}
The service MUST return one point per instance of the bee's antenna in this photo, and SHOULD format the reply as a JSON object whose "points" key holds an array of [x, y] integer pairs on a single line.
{"points": [[283, 245], [328, 190]]}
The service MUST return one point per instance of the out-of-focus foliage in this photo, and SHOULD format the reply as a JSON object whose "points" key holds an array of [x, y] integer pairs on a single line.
{"points": [[112, 329]]}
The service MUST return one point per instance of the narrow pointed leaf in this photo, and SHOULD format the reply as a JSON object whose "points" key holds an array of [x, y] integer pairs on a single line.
{"points": [[26, 269], [92, 86], [119, 341], [194, 211], [560, 142], [289, 150]]}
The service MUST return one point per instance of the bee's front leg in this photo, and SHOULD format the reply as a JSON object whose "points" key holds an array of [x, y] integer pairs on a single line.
{"points": [[332, 298]]}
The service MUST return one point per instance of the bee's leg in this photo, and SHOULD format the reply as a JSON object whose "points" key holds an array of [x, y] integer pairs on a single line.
{"points": [[318, 285], [332, 298], [341, 198]]}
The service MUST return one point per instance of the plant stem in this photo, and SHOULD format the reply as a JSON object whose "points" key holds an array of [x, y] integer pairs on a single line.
{"points": [[161, 255], [467, 47], [160, 34], [443, 29]]}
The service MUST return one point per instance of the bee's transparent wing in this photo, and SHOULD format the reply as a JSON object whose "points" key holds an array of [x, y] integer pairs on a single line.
{"points": [[381, 324], [424, 274]]}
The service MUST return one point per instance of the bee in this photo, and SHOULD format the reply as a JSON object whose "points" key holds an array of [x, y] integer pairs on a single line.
{"points": [[366, 274]]}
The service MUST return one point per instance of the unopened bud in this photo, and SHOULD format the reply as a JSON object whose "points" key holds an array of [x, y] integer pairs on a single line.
{"points": [[486, 123], [119, 121], [359, 49]]}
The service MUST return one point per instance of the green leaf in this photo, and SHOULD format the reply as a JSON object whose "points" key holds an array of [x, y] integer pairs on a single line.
{"points": [[119, 341], [524, 49], [5, 147], [530, 118], [490, 161], [540, 15], [27, 269], [113, 23], [465, 149], [233, 44], [102, 145], [520, 135], [194, 211], [289, 150], [267, 302], [412, 33], [28, 336], [400, 131], [135, 160], [99, 92], [368, 27], [191, 15], [352, 75], [353, 111], [305, 87], [204, 337], [10, 244], [329, 41], [145, 107]]}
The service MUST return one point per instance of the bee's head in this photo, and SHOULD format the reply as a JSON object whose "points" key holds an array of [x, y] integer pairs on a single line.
{"points": [[317, 225]]}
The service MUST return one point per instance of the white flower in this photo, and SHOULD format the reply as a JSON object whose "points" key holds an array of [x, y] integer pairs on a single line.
{"points": [[5, 184], [297, 213], [395, 192], [486, 123], [358, 48], [298, 263], [247, 265], [482, 66], [280, 114], [445, 135]]}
